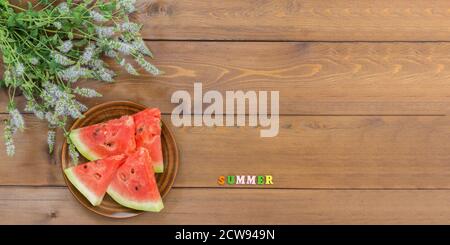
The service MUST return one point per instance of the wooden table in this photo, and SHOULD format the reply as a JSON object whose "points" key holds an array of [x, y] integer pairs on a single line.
{"points": [[364, 132]]}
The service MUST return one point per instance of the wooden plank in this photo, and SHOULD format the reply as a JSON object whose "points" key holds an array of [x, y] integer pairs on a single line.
{"points": [[313, 78], [25, 205], [296, 20], [309, 152]]}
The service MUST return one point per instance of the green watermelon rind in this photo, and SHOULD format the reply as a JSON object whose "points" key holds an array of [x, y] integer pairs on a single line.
{"points": [[158, 167], [74, 137], [94, 199], [152, 206]]}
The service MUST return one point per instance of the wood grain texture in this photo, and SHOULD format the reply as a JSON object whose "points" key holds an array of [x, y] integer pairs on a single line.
{"points": [[296, 20], [313, 78], [55, 205], [363, 133], [309, 152]]}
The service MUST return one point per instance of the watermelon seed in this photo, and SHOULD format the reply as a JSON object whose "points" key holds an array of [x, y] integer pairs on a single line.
{"points": [[97, 176], [136, 188], [109, 144], [140, 129], [85, 166], [132, 170], [123, 177], [96, 131]]}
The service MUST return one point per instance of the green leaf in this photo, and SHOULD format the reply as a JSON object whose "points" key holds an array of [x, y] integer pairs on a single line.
{"points": [[80, 43], [35, 32], [53, 66], [77, 18], [19, 19], [54, 40], [11, 22], [66, 26], [91, 30], [6, 60]]}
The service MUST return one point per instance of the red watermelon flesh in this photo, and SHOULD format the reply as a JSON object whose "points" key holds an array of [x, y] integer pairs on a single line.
{"points": [[134, 184], [93, 178], [148, 135], [105, 139]]}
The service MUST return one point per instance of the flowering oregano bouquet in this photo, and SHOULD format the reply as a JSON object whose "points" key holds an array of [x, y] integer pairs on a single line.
{"points": [[46, 48]]}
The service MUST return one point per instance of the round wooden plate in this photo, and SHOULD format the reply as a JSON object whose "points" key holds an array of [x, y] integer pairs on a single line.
{"points": [[105, 112]]}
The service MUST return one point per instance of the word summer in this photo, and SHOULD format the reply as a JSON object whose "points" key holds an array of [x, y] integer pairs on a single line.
{"points": [[245, 180], [235, 109]]}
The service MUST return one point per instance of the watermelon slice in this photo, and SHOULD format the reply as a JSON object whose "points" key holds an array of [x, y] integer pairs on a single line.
{"points": [[134, 184], [148, 135], [105, 139], [93, 178]]}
